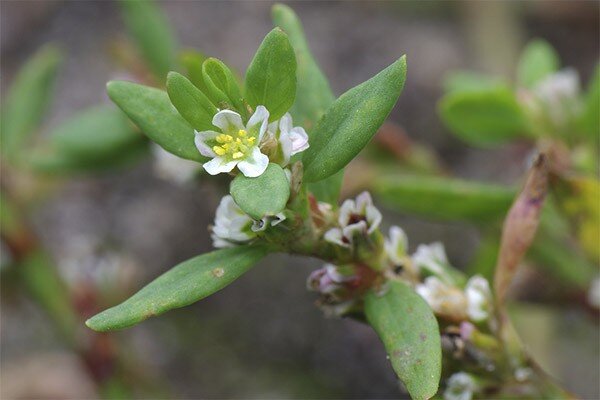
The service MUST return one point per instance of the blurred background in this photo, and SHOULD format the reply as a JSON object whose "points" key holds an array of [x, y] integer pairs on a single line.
{"points": [[262, 337]]}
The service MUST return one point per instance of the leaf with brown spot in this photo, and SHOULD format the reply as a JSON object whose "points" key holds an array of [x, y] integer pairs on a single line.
{"points": [[520, 225], [188, 282], [410, 334]]}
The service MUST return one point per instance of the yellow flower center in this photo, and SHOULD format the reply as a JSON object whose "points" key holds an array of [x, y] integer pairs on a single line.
{"points": [[234, 146]]}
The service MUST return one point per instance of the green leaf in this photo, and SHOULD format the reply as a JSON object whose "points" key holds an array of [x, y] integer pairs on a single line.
{"points": [[485, 117], [28, 99], [221, 85], [266, 194], [538, 60], [591, 108], [50, 161], [410, 334], [44, 283], [445, 198], [351, 121], [151, 110], [191, 103], [97, 133], [152, 33], [271, 76], [313, 93], [465, 81], [188, 282], [192, 60]]}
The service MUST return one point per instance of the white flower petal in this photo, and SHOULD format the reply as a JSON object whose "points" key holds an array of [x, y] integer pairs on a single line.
{"points": [[373, 218], [229, 121], [299, 140], [255, 164], [346, 211], [285, 124], [201, 139], [218, 165], [479, 297], [260, 118], [286, 146], [353, 229], [363, 200], [334, 235]]}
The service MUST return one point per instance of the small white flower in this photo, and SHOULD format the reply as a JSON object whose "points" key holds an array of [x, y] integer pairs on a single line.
{"points": [[444, 299], [396, 245], [558, 94], [460, 386], [334, 285], [432, 258], [290, 139], [356, 216], [170, 167], [594, 293], [562, 85], [236, 145], [479, 298], [232, 226]]}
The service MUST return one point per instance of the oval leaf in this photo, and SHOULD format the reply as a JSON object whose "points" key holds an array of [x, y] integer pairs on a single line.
{"points": [[97, 133], [445, 198], [185, 284], [151, 110], [152, 34], [264, 195], [222, 86], [537, 61], [351, 121], [28, 99], [484, 117], [191, 103], [410, 334], [271, 76], [313, 94]]}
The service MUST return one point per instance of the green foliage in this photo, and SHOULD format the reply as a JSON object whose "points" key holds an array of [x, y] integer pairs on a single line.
{"points": [[191, 103], [445, 198], [351, 121], [28, 99], [410, 334], [271, 76], [98, 133], [484, 117], [264, 195], [590, 120], [221, 86], [313, 94], [153, 113], [537, 61], [42, 281], [183, 285], [465, 81], [153, 36]]}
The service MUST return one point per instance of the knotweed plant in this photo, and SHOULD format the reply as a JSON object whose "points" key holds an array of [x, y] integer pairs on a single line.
{"points": [[284, 141]]}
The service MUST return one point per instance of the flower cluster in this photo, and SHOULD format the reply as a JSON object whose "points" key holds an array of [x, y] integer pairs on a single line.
{"points": [[441, 291], [356, 217], [249, 147]]}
